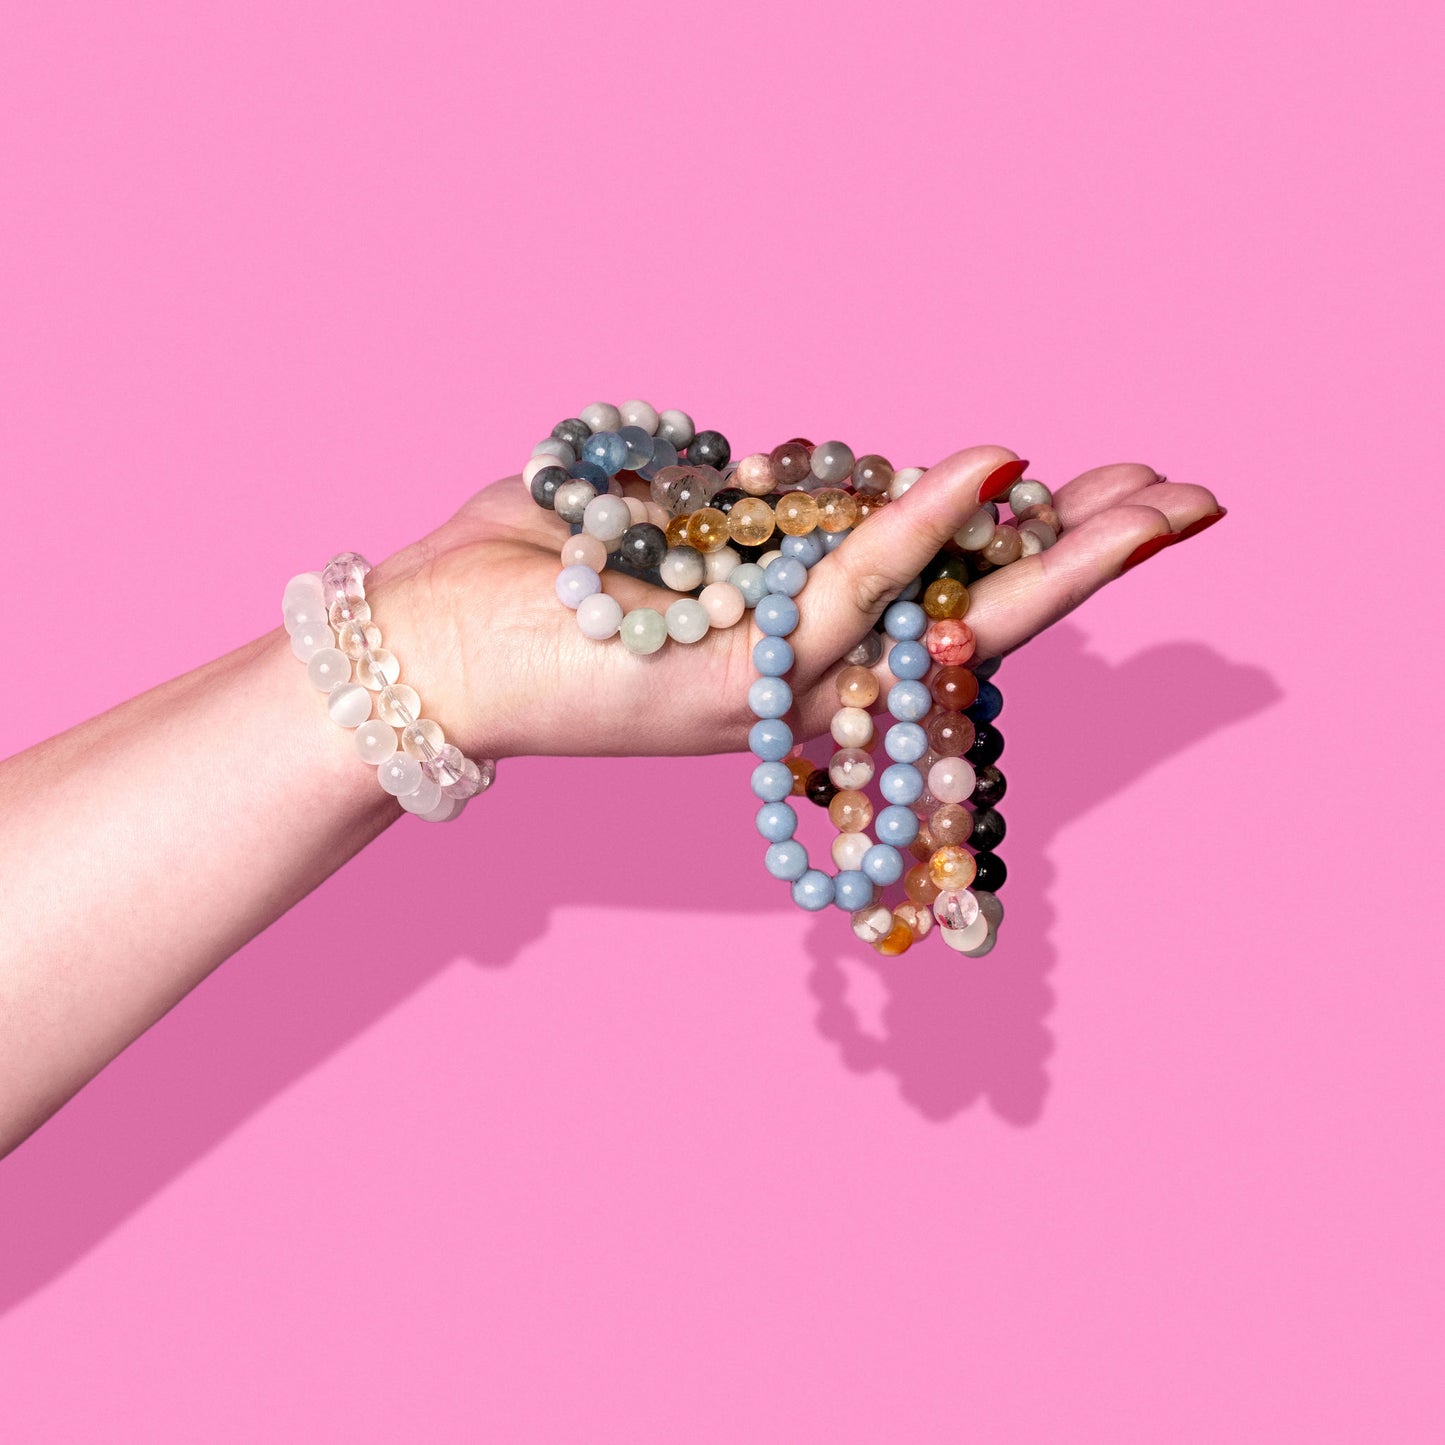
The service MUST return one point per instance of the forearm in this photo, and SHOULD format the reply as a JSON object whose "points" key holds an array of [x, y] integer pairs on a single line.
{"points": [[142, 848]]}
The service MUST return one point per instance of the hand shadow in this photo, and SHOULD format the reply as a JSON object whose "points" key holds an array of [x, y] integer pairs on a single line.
{"points": [[421, 898], [952, 1030]]}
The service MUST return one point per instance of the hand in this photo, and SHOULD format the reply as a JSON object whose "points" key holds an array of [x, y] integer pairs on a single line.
{"points": [[501, 664]]}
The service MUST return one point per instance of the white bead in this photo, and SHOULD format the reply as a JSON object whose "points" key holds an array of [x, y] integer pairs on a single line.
{"points": [[400, 775], [398, 704], [418, 737], [445, 810], [428, 794], [977, 532], [871, 924], [681, 569], [639, 413], [964, 939], [309, 639], [327, 668], [599, 616], [376, 741], [768, 557], [902, 480], [1028, 494], [852, 727], [538, 464], [561, 452], [349, 609], [725, 604], [606, 518], [848, 850], [349, 704], [717, 566], [303, 601], [353, 638], [601, 416], [687, 620], [676, 426], [376, 669], [475, 778]]}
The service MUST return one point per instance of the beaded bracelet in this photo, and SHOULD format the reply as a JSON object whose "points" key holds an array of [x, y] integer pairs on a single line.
{"points": [[330, 625]]}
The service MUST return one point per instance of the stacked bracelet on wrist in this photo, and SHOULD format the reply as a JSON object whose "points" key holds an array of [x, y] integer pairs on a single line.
{"points": [[332, 632]]}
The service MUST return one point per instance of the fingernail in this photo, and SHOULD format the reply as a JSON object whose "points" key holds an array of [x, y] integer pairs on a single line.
{"points": [[1194, 528], [1145, 550], [1001, 479]]}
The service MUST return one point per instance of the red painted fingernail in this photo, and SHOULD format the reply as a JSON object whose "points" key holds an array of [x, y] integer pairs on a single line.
{"points": [[1194, 528], [1145, 550], [1000, 479]]}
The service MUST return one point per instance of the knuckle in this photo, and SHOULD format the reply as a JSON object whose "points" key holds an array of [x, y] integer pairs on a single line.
{"points": [[872, 588]]}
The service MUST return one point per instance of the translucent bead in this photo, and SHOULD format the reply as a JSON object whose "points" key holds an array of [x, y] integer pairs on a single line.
{"points": [[950, 825], [967, 938], [837, 511], [349, 704], [576, 582], [872, 474], [851, 811], [1028, 494], [1047, 514], [950, 734], [918, 884], [328, 668], [676, 531], [423, 798], [852, 727], [902, 481], [376, 669], [832, 462], [946, 597], [867, 652], [354, 638], [304, 587], [954, 688], [310, 639], [571, 499], [955, 908], [445, 766], [724, 603], [664, 454], [398, 704], [687, 620], [599, 616], [637, 510], [990, 907], [643, 630], [349, 609], [601, 416], [898, 939], [421, 739], [796, 513], [664, 484], [718, 566], [1003, 547], [676, 426], [754, 475], [344, 576], [951, 868], [682, 569], [471, 779], [851, 768], [639, 413], [751, 522], [1036, 536], [302, 612], [707, 530], [848, 850], [950, 642], [918, 919], [976, 533], [872, 924], [606, 518], [584, 551], [375, 741], [400, 775]]}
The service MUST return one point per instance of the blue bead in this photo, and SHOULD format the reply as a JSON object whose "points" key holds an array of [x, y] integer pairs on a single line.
{"points": [[770, 697], [813, 891], [895, 824], [909, 660], [787, 576], [639, 447], [788, 859], [832, 540], [807, 549], [777, 822], [911, 591], [600, 477], [575, 582], [905, 742], [770, 738], [883, 864], [773, 657], [664, 454], [900, 783], [987, 705], [607, 450], [909, 701], [772, 782], [986, 669], [905, 621], [852, 890], [751, 581], [777, 616]]}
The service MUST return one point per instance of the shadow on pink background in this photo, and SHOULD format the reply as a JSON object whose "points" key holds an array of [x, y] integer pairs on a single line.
{"points": [[561, 1125]]}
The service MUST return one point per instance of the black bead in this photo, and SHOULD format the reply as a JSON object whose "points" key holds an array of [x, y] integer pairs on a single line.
{"points": [[820, 788], [574, 431], [991, 875], [986, 669], [989, 787], [643, 545], [726, 499], [987, 744], [945, 565], [545, 484], [709, 449], [988, 829]]}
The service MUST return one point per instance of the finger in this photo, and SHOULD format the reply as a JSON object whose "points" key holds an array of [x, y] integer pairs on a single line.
{"points": [[1182, 503], [850, 587], [1091, 492]]}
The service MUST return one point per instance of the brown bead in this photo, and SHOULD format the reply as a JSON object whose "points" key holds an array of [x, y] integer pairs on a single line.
{"points": [[954, 688], [837, 511], [802, 770], [707, 530], [950, 825], [1040, 512], [676, 530], [925, 845], [947, 597], [857, 687], [870, 506], [872, 473], [950, 734], [918, 918], [797, 514], [898, 939], [754, 474], [850, 811], [952, 868], [751, 522], [919, 886], [790, 464], [1003, 547]]}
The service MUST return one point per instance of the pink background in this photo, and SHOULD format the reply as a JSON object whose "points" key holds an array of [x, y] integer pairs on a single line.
{"points": [[642, 1154]]}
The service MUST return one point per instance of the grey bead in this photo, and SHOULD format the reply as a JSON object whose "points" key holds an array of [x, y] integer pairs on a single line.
{"points": [[867, 652]]}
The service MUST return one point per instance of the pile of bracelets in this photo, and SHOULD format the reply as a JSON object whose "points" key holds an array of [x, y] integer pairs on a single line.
{"points": [[732, 537], [332, 631]]}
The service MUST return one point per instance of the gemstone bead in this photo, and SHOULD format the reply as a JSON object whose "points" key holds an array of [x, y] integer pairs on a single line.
{"points": [[898, 939], [751, 581], [769, 738], [988, 829], [950, 734], [955, 908], [751, 522], [555, 450], [852, 890], [977, 532], [950, 641], [375, 741], [643, 630], [400, 775], [599, 616], [991, 871], [640, 447], [606, 518], [852, 727], [601, 416], [857, 687], [951, 868], [777, 822], [772, 782], [398, 704], [837, 511], [883, 863], [945, 598], [806, 547], [896, 824], [1028, 494], [990, 787], [754, 475], [310, 638], [607, 450], [813, 891], [987, 744], [767, 696], [901, 783], [851, 768], [848, 850], [675, 427], [327, 668], [905, 621], [709, 448], [989, 906], [988, 704], [796, 513], [776, 615], [791, 464], [872, 924], [707, 530], [918, 884], [349, 704], [724, 603], [950, 825], [801, 770], [954, 688], [343, 576], [1003, 547], [664, 454], [421, 739], [584, 550], [574, 431], [773, 656], [375, 670], [640, 414], [965, 940], [682, 569], [918, 919], [787, 859], [576, 582], [909, 701], [867, 652], [903, 480], [687, 620], [642, 545], [1035, 537], [820, 789], [851, 811], [832, 462], [905, 742], [909, 661], [872, 474], [571, 499]]}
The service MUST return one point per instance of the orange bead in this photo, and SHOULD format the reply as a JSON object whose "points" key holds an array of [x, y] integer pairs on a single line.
{"points": [[802, 770], [707, 529], [954, 688], [751, 521], [949, 641], [837, 511], [898, 939], [857, 687], [920, 887], [947, 597], [918, 918], [850, 811], [870, 507], [797, 514], [676, 530], [952, 868]]}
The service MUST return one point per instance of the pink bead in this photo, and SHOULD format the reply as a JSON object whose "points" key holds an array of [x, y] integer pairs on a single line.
{"points": [[951, 780], [725, 604], [589, 551], [535, 465], [949, 641], [638, 508], [658, 516]]}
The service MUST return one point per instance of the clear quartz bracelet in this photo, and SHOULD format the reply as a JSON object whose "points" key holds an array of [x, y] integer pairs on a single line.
{"points": [[332, 632]]}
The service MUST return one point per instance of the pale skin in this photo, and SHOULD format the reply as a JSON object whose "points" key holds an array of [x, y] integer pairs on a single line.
{"points": [[141, 849]]}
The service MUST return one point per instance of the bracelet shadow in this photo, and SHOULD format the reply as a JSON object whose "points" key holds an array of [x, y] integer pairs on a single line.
{"points": [[951, 1031]]}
